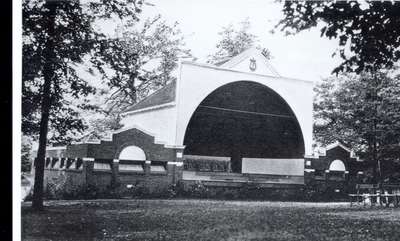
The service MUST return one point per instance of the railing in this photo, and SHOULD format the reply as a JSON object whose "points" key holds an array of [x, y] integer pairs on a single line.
{"points": [[375, 194], [206, 163], [56, 163]]}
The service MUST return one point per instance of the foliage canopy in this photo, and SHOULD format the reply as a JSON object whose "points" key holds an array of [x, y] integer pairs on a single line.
{"points": [[361, 111], [233, 41], [368, 31], [58, 35]]}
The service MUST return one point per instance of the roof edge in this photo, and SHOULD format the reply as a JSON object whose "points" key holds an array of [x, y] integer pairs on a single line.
{"points": [[243, 72], [150, 108]]}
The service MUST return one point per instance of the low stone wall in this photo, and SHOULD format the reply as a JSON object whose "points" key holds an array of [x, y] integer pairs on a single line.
{"points": [[80, 178], [93, 168], [97, 170]]}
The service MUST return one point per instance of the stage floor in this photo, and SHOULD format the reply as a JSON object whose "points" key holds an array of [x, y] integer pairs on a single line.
{"points": [[233, 179]]}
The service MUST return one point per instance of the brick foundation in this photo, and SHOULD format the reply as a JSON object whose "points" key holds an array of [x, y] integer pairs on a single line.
{"points": [[61, 170], [72, 169], [63, 179]]}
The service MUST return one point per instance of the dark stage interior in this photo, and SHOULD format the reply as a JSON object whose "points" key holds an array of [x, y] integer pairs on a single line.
{"points": [[244, 119]]}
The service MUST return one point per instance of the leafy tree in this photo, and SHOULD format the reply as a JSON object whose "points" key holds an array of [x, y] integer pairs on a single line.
{"points": [[57, 35], [362, 112], [142, 59], [368, 31], [102, 127], [233, 42]]}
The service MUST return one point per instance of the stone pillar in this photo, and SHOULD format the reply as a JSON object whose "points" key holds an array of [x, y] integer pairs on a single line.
{"points": [[52, 160], [346, 175], [171, 171], [88, 166], [178, 171], [62, 163], [178, 163], [147, 165], [326, 175], [179, 155], [309, 175], [47, 164], [115, 173]]}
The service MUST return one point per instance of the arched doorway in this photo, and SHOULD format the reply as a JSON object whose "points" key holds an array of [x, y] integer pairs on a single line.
{"points": [[244, 119]]}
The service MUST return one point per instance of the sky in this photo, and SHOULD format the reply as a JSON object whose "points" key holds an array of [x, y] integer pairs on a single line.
{"points": [[304, 56]]}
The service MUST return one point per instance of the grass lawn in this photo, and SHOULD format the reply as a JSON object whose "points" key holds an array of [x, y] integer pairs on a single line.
{"points": [[208, 220]]}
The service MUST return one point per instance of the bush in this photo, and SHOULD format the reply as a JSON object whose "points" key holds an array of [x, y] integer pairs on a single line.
{"points": [[250, 190], [229, 193], [245, 192], [136, 190], [322, 192], [140, 190], [57, 191], [175, 190], [197, 190], [54, 189]]}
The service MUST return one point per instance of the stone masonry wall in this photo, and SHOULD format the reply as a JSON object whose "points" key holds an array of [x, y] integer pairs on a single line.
{"points": [[70, 178], [112, 149], [318, 175]]}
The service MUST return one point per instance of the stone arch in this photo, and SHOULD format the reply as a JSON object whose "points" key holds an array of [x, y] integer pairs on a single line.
{"points": [[264, 107], [337, 165], [131, 152]]}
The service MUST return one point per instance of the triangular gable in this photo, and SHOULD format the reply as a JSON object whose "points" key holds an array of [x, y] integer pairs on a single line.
{"points": [[251, 60], [337, 144], [341, 146]]}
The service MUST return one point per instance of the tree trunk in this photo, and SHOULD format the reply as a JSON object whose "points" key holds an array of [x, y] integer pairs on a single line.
{"points": [[376, 164], [377, 168], [48, 72]]}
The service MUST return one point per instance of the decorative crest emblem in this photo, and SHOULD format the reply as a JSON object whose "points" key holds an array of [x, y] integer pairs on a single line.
{"points": [[253, 64]]}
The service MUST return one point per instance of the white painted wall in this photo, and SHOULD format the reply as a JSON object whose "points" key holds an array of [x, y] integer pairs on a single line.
{"points": [[293, 167], [161, 123], [197, 81]]}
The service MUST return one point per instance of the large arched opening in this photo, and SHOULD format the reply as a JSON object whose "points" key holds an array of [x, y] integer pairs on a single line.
{"points": [[244, 119]]}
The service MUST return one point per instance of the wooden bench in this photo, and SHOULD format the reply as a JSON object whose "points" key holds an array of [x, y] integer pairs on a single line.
{"points": [[373, 198], [388, 198], [377, 194]]}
